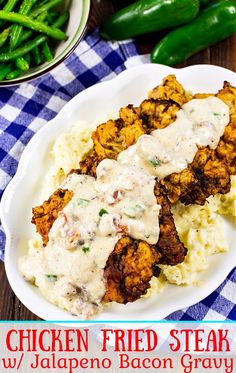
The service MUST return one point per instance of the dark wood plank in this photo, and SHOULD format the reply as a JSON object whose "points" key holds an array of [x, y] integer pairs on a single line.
{"points": [[223, 54], [100, 9], [7, 297]]}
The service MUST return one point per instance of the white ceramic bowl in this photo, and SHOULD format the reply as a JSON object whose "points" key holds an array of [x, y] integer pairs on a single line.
{"points": [[79, 12], [22, 193]]}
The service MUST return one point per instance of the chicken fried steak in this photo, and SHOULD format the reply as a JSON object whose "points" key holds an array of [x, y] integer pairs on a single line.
{"points": [[45, 215], [132, 263], [210, 171]]}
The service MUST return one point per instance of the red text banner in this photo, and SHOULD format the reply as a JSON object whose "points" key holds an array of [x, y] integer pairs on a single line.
{"points": [[162, 347]]}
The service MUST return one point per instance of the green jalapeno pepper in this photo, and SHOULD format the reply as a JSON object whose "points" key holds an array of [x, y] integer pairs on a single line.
{"points": [[146, 16], [214, 23]]}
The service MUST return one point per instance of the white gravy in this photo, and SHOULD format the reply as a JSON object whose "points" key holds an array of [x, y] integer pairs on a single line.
{"points": [[120, 201], [200, 122]]}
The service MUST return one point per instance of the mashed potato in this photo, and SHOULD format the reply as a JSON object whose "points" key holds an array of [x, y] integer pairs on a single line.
{"points": [[225, 204], [200, 227], [66, 154], [202, 231]]}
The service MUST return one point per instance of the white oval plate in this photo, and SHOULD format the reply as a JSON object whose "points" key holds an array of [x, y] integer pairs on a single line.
{"points": [[93, 104]]}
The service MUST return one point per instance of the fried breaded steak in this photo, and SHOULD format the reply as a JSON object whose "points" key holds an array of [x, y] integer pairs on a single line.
{"points": [[116, 135], [169, 245], [210, 171], [132, 263], [45, 215], [129, 270]]}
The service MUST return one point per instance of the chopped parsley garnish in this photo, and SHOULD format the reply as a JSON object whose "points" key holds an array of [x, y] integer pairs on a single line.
{"points": [[80, 242], [216, 114], [139, 208], [102, 212], [155, 162], [51, 278], [84, 202], [85, 249], [134, 211]]}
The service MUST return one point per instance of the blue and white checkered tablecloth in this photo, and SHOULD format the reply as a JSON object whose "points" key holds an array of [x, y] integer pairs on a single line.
{"points": [[26, 108]]}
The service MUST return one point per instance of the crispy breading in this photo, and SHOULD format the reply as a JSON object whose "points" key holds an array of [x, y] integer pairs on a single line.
{"points": [[89, 164], [170, 89], [129, 270], [114, 136], [169, 245], [133, 263], [158, 113], [210, 171], [207, 175], [45, 215], [227, 145]]}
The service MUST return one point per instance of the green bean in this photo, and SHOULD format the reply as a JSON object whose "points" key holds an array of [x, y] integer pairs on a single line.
{"points": [[4, 36], [61, 20], [44, 7], [22, 64], [13, 74], [17, 29], [47, 52], [36, 55], [28, 33], [27, 58], [4, 70], [35, 25], [51, 17], [8, 7], [21, 51]]}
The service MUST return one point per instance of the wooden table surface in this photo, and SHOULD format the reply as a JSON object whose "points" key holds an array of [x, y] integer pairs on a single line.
{"points": [[223, 54]]}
